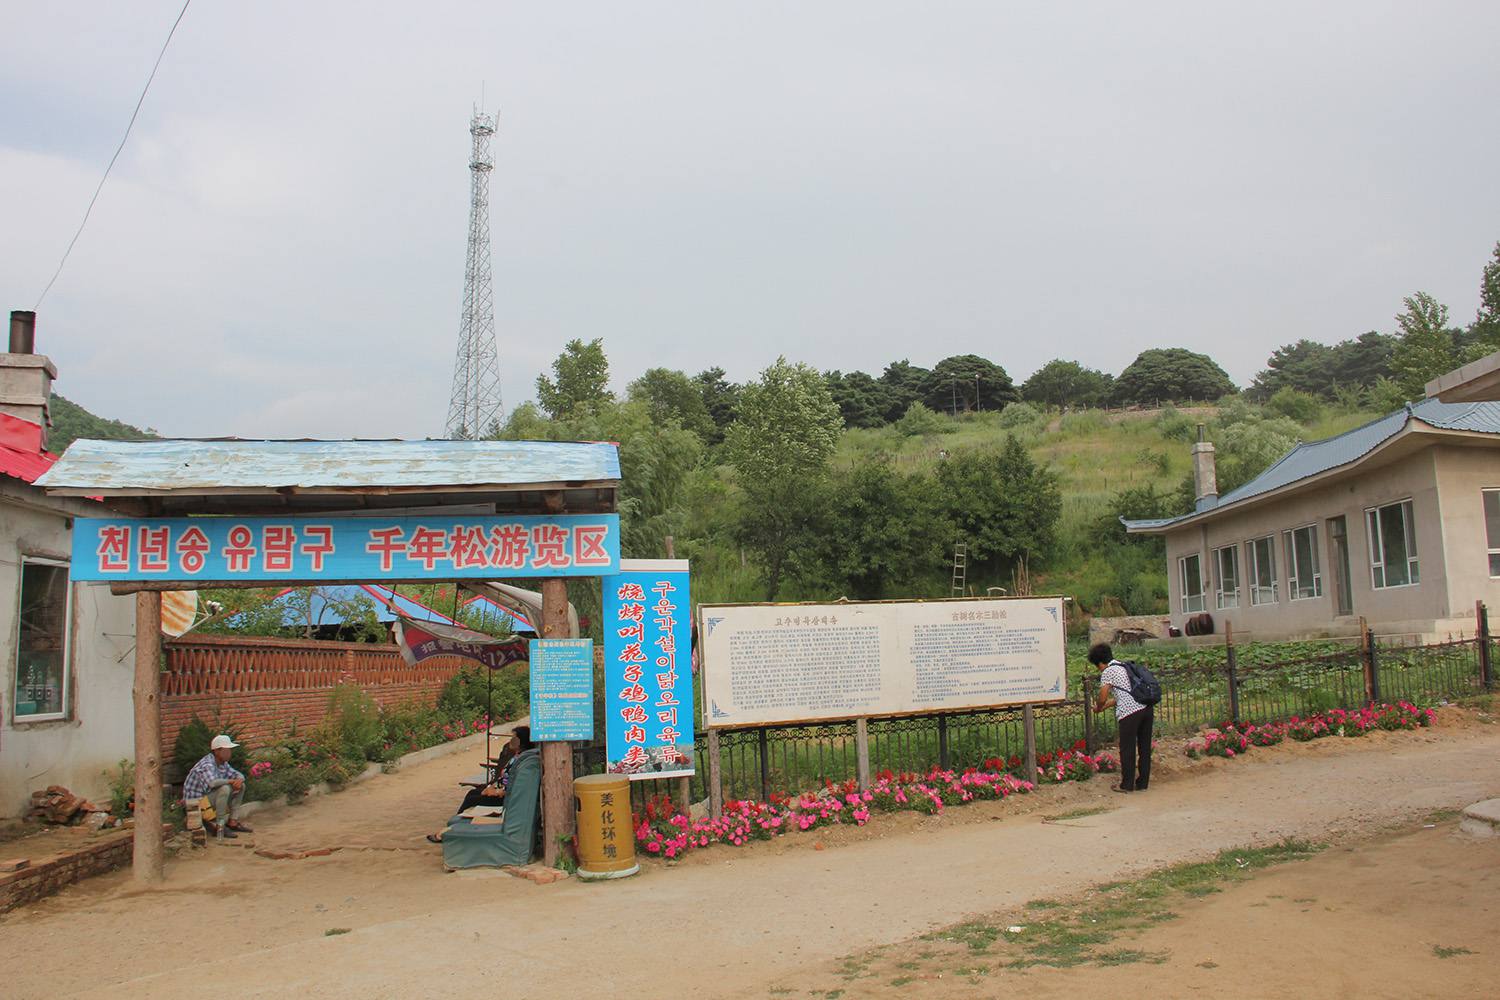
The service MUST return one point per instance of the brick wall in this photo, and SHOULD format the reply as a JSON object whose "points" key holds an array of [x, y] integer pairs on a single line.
{"points": [[260, 686], [28, 884]]}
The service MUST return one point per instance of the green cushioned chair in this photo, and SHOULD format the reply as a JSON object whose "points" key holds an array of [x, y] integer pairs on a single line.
{"points": [[508, 843]]}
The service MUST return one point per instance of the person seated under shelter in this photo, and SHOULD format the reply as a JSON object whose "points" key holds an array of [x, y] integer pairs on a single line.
{"points": [[488, 841], [493, 794], [215, 779]]}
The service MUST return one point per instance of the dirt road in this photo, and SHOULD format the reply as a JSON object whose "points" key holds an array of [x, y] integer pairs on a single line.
{"points": [[723, 923]]}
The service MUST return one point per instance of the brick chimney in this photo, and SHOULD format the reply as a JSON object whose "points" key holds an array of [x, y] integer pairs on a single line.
{"points": [[1205, 474], [25, 376]]}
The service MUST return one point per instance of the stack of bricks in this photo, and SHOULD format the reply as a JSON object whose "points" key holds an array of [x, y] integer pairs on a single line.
{"points": [[260, 686], [35, 881]]}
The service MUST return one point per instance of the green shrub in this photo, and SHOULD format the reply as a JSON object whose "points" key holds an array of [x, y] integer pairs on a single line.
{"points": [[356, 719], [1022, 416], [192, 744], [121, 788], [919, 420], [1299, 406]]}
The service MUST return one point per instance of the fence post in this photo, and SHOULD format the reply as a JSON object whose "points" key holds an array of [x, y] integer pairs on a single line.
{"points": [[862, 752], [1234, 681], [1372, 665], [715, 776], [1088, 718], [1028, 733], [1482, 627], [943, 741], [765, 767]]}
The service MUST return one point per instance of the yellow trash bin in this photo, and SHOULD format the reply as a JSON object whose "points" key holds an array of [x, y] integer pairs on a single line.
{"points": [[606, 843]]}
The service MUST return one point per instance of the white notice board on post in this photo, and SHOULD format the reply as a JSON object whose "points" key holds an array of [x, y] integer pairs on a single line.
{"points": [[775, 663]]}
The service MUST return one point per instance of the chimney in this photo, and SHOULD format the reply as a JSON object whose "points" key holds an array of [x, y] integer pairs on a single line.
{"points": [[25, 376], [1205, 475]]}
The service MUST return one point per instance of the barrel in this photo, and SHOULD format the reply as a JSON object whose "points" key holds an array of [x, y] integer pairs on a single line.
{"points": [[606, 842]]}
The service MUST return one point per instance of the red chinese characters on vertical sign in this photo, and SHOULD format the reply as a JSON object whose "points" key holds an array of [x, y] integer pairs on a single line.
{"points": [[648, 723]]}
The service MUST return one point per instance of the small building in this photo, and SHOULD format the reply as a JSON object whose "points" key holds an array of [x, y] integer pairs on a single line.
{"points": [[1396, 522], [65, 715]]}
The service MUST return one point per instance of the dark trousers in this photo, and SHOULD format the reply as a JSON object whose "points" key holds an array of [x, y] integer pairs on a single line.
{"points": [[1135, 743]]}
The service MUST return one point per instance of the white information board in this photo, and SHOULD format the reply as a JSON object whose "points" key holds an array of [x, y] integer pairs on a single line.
{"points": [[770, 663]]}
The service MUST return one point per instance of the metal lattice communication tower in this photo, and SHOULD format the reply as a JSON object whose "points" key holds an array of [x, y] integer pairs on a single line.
{"points": [[475, 404]]}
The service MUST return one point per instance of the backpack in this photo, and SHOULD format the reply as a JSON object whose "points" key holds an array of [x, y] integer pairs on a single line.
{"points": [[1144, 687]]}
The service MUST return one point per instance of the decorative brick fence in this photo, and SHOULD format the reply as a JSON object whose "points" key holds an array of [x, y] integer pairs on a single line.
{"points": [[63, 869], [261, 686]]}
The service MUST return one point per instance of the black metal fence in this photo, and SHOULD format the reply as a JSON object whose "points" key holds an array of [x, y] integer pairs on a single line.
{"points": [[754, 763]]}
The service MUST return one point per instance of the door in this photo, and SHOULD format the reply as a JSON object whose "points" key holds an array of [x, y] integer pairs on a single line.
{"points": [[1338, 537]]}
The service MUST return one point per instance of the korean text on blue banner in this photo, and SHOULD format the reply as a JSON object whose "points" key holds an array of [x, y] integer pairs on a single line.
{"points": [[648, 671], [345, 548], [562, 690]]}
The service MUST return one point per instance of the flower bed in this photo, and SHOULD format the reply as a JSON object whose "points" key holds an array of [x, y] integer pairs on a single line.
{"points": [[1232, 740], [664, 832]]}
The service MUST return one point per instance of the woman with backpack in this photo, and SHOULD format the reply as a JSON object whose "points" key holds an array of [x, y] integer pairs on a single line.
{"points": [[1134, 693]]}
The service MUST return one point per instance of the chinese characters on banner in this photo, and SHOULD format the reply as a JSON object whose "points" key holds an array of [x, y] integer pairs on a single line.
{"points": [[562, 690], [345, 548], [648, 674]]}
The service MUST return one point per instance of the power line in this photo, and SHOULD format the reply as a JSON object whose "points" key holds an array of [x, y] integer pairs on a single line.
{"points": [[129, 125]]}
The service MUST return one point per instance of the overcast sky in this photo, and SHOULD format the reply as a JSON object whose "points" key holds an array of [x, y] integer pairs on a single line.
{"points": [[280, 249]]}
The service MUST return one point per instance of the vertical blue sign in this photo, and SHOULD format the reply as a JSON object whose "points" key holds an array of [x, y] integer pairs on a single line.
{"points": [[562, 690], [648, 672]]}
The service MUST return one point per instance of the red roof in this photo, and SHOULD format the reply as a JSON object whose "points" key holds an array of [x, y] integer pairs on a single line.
{"points": [[21, 453]]}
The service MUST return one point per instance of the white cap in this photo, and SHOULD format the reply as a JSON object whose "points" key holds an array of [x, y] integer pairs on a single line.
{"points": [[222, 743]]}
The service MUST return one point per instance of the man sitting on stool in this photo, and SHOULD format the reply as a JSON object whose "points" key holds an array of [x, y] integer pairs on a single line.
{"points": [[213, 777]]}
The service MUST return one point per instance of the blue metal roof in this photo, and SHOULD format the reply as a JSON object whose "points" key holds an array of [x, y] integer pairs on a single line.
{"points": [[220, 465], [1316, 457]]}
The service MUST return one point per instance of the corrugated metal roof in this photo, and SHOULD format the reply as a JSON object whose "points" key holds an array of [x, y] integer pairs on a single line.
{"points": [[1316, 457], [21, 453], [190, 465], [387, 603]]}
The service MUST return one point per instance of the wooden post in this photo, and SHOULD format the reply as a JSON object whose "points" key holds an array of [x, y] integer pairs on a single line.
{"points": [[1372, 660], [1088, 718], [715, 776], [943, 741], [1482, 633], [765, 766], [862, 752], [149, 854], [1234, 682], [1028, 733]]}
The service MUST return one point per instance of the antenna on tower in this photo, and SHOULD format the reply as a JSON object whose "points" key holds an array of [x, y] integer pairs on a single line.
{"points": [[474, 407]]}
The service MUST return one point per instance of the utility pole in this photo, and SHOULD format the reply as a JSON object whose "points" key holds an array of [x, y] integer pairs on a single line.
{"points": [[475, 403]]}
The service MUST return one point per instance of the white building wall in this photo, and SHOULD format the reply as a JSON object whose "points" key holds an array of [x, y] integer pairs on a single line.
{"points": [[99, 731]]}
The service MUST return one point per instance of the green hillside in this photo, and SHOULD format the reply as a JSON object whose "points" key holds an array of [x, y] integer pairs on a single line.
{"points": [[71, 422]]}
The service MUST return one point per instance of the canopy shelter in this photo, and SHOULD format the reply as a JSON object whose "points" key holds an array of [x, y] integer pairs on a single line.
{"points": [[241, 513], [327, 606]]}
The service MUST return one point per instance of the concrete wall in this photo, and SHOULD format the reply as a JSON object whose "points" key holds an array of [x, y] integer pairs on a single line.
{"points": [[1463, 472], [1424, 608], [99, 729]]}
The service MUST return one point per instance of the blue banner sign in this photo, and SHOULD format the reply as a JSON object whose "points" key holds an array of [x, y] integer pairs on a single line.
{"points": [[562, 690], [312, 549], [648, 670]]}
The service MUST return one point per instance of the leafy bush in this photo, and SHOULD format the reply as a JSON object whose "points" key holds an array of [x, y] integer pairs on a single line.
{"points": [[919, 420], [468, 695], [356, 720], [121, 788], [193, 740], [1299, 406], [1176, 426], [1021, 416]]}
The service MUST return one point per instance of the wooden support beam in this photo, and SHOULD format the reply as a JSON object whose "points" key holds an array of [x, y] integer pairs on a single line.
{"points": [[715, 776], [149, 851], [557, 757], [1028, 735], [862, 752]]}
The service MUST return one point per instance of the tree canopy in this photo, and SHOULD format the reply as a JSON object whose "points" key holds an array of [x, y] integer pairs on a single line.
{"points": [[1068, 384], [1171, 375], [967, 382], [581, 379]]}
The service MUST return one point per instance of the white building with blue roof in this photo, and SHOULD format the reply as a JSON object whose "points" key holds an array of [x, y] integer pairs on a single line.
{"points": [[1396, 522]]}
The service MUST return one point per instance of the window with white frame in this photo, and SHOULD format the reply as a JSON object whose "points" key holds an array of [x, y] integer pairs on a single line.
{"points": [[1393, 545], [1492, 528], [41, 691], [1227, 577], [1190, 572], [1262, 555], [1304, 577]]}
